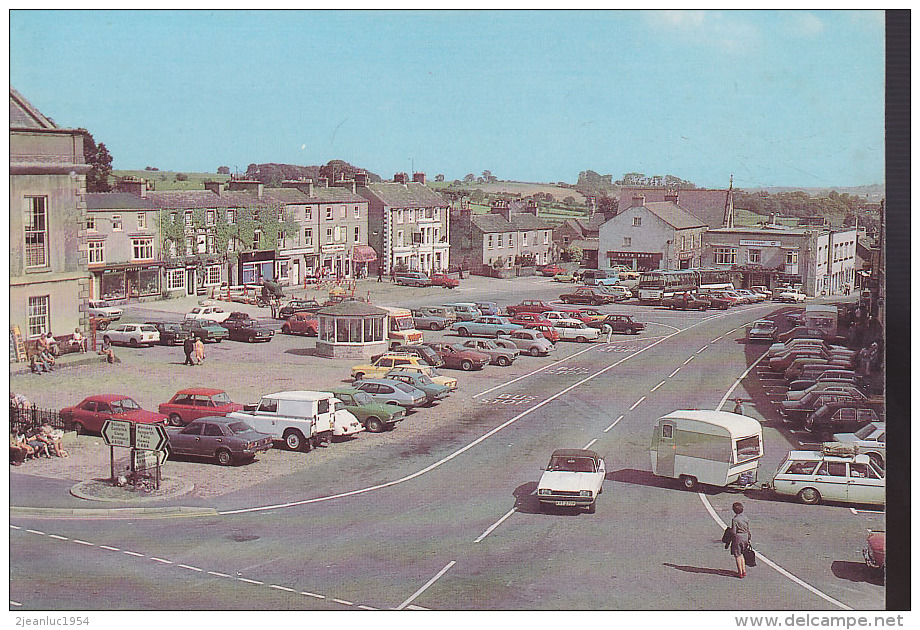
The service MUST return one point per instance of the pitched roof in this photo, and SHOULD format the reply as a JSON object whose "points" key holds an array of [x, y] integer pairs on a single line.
{"points": [[673, 215], [117, 201], [409, 195], [527, 221], [704, 203], [24, 115], [491, 223], [189, 199]]}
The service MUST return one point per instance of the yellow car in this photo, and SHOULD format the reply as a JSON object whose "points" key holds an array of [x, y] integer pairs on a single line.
{"points": [[384, 364]]}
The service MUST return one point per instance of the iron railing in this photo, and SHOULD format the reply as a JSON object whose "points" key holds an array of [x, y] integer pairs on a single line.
{"points": [[25, 418]]}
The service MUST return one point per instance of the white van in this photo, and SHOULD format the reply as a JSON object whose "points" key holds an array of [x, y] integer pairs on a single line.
{"points": [[835, 474], [712, 447], [465, 311]]}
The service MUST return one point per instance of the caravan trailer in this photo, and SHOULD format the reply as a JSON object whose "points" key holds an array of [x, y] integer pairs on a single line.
{"points": [[712, 447]]}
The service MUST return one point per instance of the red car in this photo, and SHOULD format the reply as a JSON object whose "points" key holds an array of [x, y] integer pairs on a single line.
{"points": [[551, 270], [530, 318], [197, 402], [301, 324], [529, 306], [443, 280], [548, 331], [458, 359], [91, 414]]}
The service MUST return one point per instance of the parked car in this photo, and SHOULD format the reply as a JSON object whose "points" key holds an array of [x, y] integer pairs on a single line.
{"points": [[812, 401], [529, 318], [565, 277], [488, 308], [242, 327], [375, 416], [383, 364], [298, 306], [574, 330], [425, 321], [827, 376], [394, 392], [225, 440], [874, 551], [618, 292], [586, 295], [171, 334], [593, 277], [829, 387], [529, 306], [530, 342], [210, 313], [487, 326], [551, 270], [444, 312], [618, 324], [546, 329], [103, 309], [807, 332], [573, 478], [497, 354], [205, 330], [134, 335], [762, 290], [778, 349], [431, 372], [90, 414], [465, 311], [443, 280], [197, 402], [412, 278], [813, 476], [302, 323], [838, 417], [433, 391], [459, 358], [715, 300], [869, 440], [752, 296], [685, 302], [762, 330], [731, 297], [793, 295], [423, 352]]}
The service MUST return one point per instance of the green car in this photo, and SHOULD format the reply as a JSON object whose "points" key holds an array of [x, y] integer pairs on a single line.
{"points": [[433, 391], [375, 417]]}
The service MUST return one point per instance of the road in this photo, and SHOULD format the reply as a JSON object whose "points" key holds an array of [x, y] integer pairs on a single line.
{"points": [[444, 515]]}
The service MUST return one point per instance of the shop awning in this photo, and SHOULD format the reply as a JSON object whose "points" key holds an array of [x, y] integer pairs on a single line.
{"points": [[363, 253]]}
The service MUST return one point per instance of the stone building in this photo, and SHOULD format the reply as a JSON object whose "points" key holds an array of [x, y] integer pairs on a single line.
{"points": [[496, 243]]}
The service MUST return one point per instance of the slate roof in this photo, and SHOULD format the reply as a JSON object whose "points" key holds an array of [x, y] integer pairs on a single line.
{"points": [[527, 221], [410, 195], [190, 199], [491, 223], [321, 194], [673, 215], [117, 201], [355, 308], [24, 115], [704, 203]]}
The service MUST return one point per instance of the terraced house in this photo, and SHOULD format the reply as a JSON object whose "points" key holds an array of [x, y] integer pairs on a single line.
{"points": [[48, 279]]}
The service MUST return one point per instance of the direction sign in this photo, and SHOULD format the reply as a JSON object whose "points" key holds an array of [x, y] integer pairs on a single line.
{"points": [[149, 437], [145, 460], [117, 433]]}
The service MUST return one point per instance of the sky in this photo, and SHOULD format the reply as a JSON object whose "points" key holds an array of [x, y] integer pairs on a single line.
{"points": [[772, 98]]}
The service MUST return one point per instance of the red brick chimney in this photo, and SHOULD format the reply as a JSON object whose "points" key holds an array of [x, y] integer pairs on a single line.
{"points": [[401, 178], [418, 177], [214, 187], [133, 185], [361, 179], [638, 200]]}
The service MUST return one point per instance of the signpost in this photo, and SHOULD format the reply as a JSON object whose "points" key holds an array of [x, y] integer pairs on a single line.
{"points": [[116, 433], [146, 441]]}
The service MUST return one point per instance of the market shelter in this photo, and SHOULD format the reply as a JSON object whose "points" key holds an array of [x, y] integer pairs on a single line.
{"points": [[351, 329]]}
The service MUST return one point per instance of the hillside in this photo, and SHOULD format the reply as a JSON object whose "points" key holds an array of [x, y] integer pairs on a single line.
{"points": [[167, 180]]}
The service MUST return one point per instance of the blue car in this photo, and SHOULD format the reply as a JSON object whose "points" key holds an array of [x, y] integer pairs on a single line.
{"points": [[485, 326]]}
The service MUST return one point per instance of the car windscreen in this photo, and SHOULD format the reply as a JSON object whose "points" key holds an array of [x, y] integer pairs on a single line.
{"points": [[403, 323], [403, 387], [362, 398], [239, 427], [220, 399], [572, 464], [864, 432]]}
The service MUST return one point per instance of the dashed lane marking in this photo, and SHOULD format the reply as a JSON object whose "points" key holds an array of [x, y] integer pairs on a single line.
{"points": [[281, 588], [614, 424], [109, 548], [83, 542], [342, 601], [363, 607], [218, 574], [12, 603], [248, 581], [701, 350], [35, 531], [15, 527], [689, 359], [190, 568], [314, 595], [589, 444], [161, 560], [427, 584], [674, 372], [134, 553], [637, 403], [658, 385], [56, 537], [495, 524]]}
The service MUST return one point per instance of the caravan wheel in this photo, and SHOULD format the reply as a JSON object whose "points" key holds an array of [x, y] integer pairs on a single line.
{"points": [[689, 481]]}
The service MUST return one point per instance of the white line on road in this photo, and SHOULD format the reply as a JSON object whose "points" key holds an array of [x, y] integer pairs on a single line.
{"points": [[363, 607], [12, 603], [218, 574], [674, 372], [242, 579], [282, 588], [495, 524], [109, 548], [342, 601], [427, 584], [55, 536], [308, 594], [701, 350], [15, 527], [414, 607], [83, 542], [589, 444], [35, 531], [738, 380], [190, 568], [657, 386], [529, 374], [637, 403], [688, 360], [161, 560], [614, 424], [134, 553]]}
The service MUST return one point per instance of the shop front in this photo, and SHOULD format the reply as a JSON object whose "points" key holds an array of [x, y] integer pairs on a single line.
{"points": [[130, 281], [361, 257], [256, 266], [639, 261]]}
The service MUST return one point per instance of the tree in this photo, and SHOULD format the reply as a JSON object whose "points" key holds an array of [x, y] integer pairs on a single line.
{"points": [[151, 168], [569, 201], [100, 161], [439, 177], [632, 179], [223, 170], [470, 178], [572, 253], [608, 205], [181, 177]]}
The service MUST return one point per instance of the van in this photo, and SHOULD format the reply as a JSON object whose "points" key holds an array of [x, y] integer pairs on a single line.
{"points": [[465, 311], [592, 277], [832, 474], [412, 278], [712, 447]]}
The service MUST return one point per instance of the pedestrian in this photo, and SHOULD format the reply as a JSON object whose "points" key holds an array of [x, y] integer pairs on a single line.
{"points": [[741, 536], [37, 363], [79, 340], [188, 346], [199, 351], [379, 274], [107, 350], [739, 406]]}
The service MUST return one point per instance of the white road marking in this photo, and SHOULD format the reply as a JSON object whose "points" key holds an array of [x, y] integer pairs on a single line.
{"points": [[83, 542], [495, 524], [427, 584], [657, 386], [637, 403], [688, 360], [55, 536], [312, 595], [701, 350], [134, 553], [529, 374], [614, 424], [218, 574], [853, 510], [12, 603], [35, 531], [242, 579], [738, 381], [414, 607], [589, 444], [282, 588], [15, 527], [109, 548], [674, 372], [341, 601], [190, 568], [363, 607], [161, 560]]}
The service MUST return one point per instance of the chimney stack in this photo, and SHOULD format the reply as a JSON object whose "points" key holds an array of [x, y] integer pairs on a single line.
{"points": [[303, 185], [673, 197], [251, 186], [418, 177], [401, 178], [638, 200], [361, 179], [133, 185], [214, 187], [322, 182]]}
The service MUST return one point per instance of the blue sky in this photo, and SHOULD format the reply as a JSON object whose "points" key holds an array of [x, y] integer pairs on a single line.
{"points": [[777, 98]]}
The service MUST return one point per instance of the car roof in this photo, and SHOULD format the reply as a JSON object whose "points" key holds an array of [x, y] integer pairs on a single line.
{"points": [[299, 395], [218, 420], [574, 452], [106, 397], [819, 456], [203, 391]]}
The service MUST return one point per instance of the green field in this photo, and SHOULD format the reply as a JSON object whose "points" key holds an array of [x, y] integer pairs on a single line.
{"points": [[524, 189], [166, 180]]}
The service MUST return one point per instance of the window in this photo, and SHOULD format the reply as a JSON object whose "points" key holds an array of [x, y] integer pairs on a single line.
{"points": [[637, 221], [328, 235], [834, 469], [399, 239], [308, 236], [683, 243], [189, 245], [329, 213], [726, 255], [524, 239], [399, 216], [337, 233], [256, 239], [357, 212], [268, 405], [90, 224], [343, 212], [546, 237], [213, 274], [95, 252], [308, 213], [490, 244], [142, 248], [667, 431], [357, 234], [38, 315], [141, 220], [36, 232], [175, 279], [212, 430], [754, 255], [500, 245], [627, 241], [188, 217], [792, 258], [173, 217], [231, 219], [210, 217], [116, 222]]}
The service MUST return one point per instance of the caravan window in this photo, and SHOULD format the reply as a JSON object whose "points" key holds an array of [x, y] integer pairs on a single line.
{"points": [[667, 431], [747, 448]]}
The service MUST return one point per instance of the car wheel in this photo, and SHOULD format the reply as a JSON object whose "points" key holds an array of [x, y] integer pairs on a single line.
{"points": [[581, 339], [434, 326], [809, 496], [359, 376], [286, 329], [374, 425], [175, 420], [689, 481], [535, 351], [218, 340], [466, 365], [463, 332], [223, 457], [592, 507], [503, 361], [134, 343], [78, 428], [293, 439]]}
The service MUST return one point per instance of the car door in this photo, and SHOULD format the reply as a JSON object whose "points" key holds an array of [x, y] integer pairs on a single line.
{"points": [[212, 437], [187, 441], [865, 484], [831, 480], [85, 414]]}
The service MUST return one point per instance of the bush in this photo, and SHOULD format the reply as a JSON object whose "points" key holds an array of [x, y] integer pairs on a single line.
{"points": [[181, 177]]}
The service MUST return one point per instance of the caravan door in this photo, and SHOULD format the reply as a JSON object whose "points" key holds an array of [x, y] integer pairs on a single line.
{"points": [[666, 449]]}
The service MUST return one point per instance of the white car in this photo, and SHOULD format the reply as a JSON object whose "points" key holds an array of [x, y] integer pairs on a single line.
{"points": [[530, 342], [573, 478], [134, 335], [869, 440], [811, 476], [575, 330], [791, 295], [102, 308], [210, 313]]}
